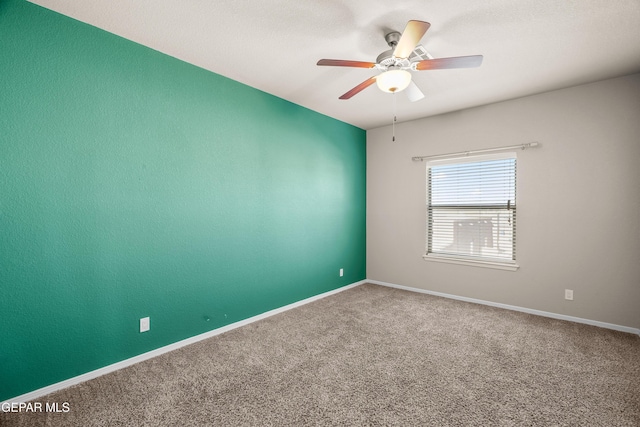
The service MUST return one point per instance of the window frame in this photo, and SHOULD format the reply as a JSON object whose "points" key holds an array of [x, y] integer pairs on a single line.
{"points": [[510, 265]]}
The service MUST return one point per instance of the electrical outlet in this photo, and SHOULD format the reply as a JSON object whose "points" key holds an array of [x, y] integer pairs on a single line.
{"points": [[341, 272], [145, 325], [568, 294]]}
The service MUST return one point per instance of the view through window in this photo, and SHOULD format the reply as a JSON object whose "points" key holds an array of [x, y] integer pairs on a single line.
{"points": [[471, 208]]}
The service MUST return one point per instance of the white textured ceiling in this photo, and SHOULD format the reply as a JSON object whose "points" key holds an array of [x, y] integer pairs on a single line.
{"points": [[529, 46]]}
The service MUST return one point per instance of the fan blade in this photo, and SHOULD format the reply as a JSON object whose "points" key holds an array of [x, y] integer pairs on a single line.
{"points": [[365, 84], [411, 35], [413, 92], [341, 63], [455, 62]]}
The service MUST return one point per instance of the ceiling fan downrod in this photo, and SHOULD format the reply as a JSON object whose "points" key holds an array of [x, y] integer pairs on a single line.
{"points": [[392, 39]]}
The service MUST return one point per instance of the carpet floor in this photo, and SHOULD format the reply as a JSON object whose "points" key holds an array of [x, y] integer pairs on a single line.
{"points": [[373, 355]]}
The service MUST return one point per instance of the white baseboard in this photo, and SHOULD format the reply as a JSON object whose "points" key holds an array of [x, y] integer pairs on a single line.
{"points": [[514, 308], [157, 352]]}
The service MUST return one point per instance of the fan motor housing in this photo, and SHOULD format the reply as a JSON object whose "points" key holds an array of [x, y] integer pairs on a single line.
{"points": [[386, 58]]}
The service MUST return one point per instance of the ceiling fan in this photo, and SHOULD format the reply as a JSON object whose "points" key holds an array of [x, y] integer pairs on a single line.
{"points": [[397, 63]]}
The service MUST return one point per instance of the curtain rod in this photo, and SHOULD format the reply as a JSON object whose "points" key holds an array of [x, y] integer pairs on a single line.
{"points": [[486, 150]]}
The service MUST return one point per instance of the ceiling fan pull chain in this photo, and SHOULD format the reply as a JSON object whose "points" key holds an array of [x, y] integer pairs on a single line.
{"points": [[393, 125]]}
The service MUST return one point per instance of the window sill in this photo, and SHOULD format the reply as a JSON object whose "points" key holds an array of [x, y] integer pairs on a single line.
{"points": [[509, 266]]}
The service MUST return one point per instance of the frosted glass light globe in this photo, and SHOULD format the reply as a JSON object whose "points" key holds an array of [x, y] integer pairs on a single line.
{"points": [[393, 80]]}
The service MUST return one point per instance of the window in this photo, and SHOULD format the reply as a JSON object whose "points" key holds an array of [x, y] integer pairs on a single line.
{"points": [[471, 211]]}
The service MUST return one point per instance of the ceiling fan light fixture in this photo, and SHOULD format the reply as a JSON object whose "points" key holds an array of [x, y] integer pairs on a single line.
{"points": [[392, 81]]}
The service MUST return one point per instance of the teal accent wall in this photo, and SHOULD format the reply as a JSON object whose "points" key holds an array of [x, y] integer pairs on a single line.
{"points": [[133, 184]]}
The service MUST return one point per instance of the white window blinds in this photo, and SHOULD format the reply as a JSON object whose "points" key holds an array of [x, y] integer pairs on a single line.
{"points": [[471, 208]]}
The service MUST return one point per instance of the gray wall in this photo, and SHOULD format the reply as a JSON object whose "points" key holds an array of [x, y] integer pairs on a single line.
{"points": [[578, 196]]}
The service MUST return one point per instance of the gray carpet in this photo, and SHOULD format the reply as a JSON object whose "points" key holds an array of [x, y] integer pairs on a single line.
{"points": [[374, 356]]}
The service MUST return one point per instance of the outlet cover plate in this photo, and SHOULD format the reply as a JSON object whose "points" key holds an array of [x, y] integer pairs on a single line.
{"points": [[145, 325]]}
